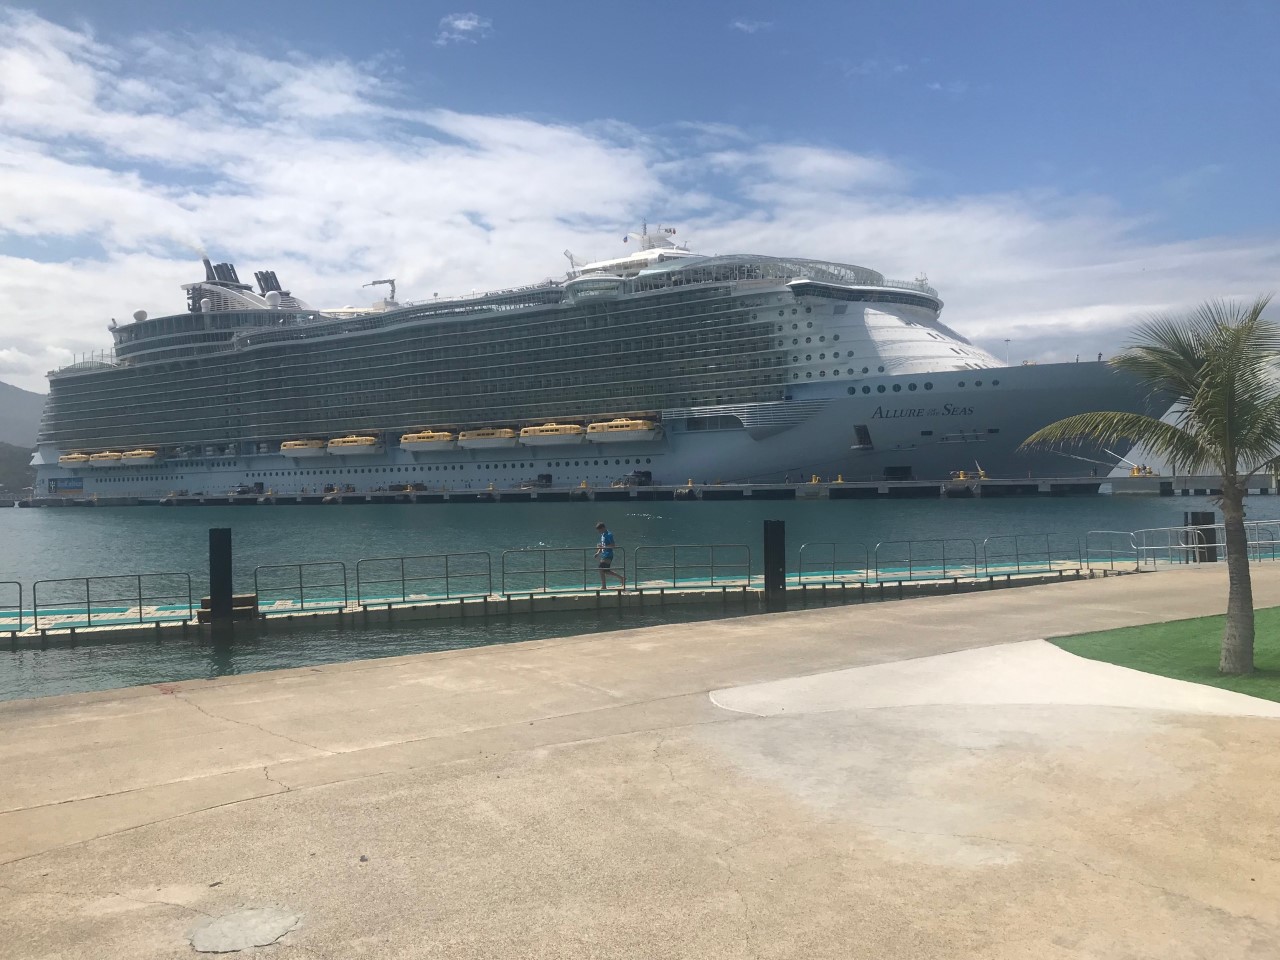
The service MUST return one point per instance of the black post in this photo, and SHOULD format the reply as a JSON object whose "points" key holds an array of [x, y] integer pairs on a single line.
{"points": [[220, 573], [775, 565], [1204, 537]]}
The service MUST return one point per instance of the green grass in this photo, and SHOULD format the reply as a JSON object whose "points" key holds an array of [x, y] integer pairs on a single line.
{"points": [[1187, 650]]}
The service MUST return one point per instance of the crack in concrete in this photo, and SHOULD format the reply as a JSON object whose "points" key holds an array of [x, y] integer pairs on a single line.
{"points": [[270, 779], [89, 894], [253, 726]]}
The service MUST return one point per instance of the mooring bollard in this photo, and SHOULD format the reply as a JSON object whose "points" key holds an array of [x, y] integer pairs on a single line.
{"points": [[220, 574], [775, 565]]}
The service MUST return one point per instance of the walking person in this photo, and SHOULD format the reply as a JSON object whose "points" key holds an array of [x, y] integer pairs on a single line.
{"points": [[604, 553]]}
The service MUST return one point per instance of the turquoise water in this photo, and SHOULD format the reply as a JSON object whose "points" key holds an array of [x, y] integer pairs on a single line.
{"points": [[41, 544]]}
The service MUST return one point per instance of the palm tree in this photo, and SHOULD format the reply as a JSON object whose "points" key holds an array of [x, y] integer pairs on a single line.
{"points": [[1217, 366]]}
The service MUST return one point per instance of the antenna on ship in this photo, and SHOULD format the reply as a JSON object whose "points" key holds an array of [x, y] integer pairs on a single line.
{"points": [[374, 283]]}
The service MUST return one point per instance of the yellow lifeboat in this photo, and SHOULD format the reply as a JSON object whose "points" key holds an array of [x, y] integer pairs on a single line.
{"points": [[488, 438], [622, 430], [73, 460], [295, 449], [107, 458], [354, 446], [427, 441], [552, 433], [135, 458]]}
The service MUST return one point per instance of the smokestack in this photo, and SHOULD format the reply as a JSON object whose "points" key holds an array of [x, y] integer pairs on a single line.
{"points": [[208, 269]]}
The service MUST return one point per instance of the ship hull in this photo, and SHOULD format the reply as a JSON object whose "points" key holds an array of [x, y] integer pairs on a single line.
{"points": [[920, 426]]}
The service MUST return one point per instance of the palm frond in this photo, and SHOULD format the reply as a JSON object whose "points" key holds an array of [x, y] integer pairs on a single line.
{"points": [[1171, 442]]}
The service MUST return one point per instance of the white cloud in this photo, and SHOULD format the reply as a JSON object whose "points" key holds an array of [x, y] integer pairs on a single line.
{"points": [[750, 26], [117, 162], [462, 28]]}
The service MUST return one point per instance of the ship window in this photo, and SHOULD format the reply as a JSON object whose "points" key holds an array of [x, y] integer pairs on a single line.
{"points": [[866, 370], [928, 386], [835, 336], [993, 430], [808, 309], [880, 389], [795, 376], [808, 376], [897, 388], [795, 340], [911, 386], [850, 371], [782, 313], [995, 383], [794, 311], [822, 373], [977, 383], [822, 356], [808, 356], [960, 384], [881, 369]]}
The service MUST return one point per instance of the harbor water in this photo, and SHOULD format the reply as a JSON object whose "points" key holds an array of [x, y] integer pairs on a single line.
{"points": [[102, 541]]}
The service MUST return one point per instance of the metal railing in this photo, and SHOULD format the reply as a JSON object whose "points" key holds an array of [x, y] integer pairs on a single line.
{"points": [[390, 580], [556, 569], [1204, 543], [11, 613], [1031, 553], [944, 558], [830, 562], [1103, 548], [284, 587], [693, 565], [120, 600]]}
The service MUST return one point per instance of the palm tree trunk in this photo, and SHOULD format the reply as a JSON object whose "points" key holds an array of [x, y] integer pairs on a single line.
{"points": [[1237, 638]]}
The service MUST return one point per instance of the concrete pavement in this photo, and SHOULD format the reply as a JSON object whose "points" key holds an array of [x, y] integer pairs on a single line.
{"points": [[587, 797]]}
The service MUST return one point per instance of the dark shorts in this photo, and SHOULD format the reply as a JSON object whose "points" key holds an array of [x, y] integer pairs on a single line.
{"points": [[606, 563]]}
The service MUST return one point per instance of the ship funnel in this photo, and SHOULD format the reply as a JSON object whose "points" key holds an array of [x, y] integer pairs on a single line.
{"points": [[208, 269]]}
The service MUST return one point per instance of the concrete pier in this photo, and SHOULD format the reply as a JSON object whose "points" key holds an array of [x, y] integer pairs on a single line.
{"points": [[918, 779]]}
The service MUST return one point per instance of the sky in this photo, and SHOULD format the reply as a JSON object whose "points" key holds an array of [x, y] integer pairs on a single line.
{"points": [[1057, 171]]}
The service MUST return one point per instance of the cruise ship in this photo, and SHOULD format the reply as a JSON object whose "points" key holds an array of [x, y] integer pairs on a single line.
{"points": [[661, 363]]}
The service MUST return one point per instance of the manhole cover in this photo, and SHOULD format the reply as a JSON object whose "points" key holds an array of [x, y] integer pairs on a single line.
{"points": [[255, 927]]}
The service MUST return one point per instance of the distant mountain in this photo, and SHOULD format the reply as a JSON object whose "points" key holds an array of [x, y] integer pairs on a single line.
{"points": [[19, 416], [15, 473]]}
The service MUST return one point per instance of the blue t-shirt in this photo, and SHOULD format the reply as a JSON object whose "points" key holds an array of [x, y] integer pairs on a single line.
{"points": [[606, 546]]}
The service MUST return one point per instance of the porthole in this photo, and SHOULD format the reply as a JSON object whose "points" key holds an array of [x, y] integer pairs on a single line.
{"points": [[648, 460], [808, 339], [880, 389], [782, 313], [795, 376], [809, 324], [897, 388], [795, 358], [753, 316], [822, 356], [835, 336], [795, 340], [866, 370], [822, 339], [794, 311], [928, 386], [977, 383], [880, 369], [995, 383], [836, 372], [960, 384], [835, 354], [822, 373], [808, 356], [809, 376], [850, 371], [780, 343], [911, 386], [808, 309], [795, 326]]}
